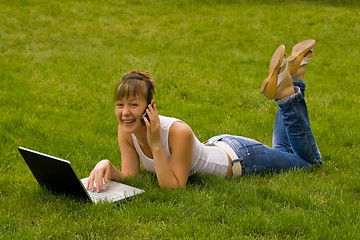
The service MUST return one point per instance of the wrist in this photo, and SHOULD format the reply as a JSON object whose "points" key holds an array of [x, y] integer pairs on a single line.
{"points": [[156, 147]]}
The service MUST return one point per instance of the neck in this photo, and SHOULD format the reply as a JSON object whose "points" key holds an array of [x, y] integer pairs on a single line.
{"points": [[141, 135]]}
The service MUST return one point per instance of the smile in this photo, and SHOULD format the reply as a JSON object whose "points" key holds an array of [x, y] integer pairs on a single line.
{"points": [[128, 121]]}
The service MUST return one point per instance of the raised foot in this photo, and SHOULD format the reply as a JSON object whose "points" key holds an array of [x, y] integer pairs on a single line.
{"points": [[298, 53], [278, 84]]}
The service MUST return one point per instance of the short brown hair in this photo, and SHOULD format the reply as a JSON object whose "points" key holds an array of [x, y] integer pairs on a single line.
{"points": [[135, 83]]}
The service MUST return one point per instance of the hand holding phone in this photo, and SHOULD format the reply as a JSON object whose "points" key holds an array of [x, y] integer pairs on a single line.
{"points": [[144, 115]]}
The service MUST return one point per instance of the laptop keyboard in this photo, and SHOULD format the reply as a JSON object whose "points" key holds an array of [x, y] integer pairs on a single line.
{"points": [[101, 195], [111, 192], [104, 196]]}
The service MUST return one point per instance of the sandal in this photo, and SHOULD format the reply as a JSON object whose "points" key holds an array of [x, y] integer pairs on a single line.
{"points": [[274, 84], [297, 58]]}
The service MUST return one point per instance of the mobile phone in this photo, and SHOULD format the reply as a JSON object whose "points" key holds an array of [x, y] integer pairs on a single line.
{"points": [[144, 115]]}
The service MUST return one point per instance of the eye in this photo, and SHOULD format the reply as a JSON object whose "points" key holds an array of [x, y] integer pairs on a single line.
{"points": [[134, 104], [119, 104]]}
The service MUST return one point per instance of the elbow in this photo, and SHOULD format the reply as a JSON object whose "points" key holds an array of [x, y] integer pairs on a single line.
{"points": [[170, 186]]}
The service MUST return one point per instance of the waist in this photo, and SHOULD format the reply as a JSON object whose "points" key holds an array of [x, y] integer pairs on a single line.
{"points": [[234, 166], [230, 152]]}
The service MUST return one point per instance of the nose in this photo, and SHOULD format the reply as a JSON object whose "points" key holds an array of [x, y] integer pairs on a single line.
{"points": [[126, 110]]}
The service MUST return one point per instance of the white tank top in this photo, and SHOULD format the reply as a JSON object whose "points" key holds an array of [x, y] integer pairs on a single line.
{"points": [[205, 159]]}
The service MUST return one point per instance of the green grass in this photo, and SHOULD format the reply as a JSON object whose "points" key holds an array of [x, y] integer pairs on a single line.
{"points": [[60, 61]]}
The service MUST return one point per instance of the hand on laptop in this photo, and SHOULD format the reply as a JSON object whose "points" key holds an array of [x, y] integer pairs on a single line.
{"points": [[100, 172]]}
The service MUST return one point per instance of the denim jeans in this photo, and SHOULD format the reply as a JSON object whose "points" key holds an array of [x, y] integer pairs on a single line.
{"points": [[294, 145]]}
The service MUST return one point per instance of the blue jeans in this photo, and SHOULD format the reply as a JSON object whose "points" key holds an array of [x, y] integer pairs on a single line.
{"points": [[294, 145]]}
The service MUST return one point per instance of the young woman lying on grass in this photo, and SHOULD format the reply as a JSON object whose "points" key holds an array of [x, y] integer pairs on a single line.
{"points": [[167, 146]]}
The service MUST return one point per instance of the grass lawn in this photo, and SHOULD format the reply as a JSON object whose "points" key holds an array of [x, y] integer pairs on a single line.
{"points": [[60, 61]]}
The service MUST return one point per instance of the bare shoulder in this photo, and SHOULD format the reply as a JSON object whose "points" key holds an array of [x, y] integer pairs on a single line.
{"points": [[181, 137], [180, 129]]}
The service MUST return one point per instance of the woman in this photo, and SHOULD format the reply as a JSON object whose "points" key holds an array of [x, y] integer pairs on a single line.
{"points": [[168, 147]]}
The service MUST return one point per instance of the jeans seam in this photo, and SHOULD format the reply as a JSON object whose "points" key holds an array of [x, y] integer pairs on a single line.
{"points": [[307, 133], [237, 150]]}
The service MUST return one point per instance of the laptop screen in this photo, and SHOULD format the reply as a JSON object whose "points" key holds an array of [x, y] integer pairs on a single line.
{"points": [[54, 173]]}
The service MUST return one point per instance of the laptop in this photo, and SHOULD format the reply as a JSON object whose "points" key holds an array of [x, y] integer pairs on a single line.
{"points": [[58, 175]]}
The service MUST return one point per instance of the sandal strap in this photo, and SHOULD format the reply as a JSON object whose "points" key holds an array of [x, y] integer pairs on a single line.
{"points": [[284, 62], [306, 60], [283, 74]]}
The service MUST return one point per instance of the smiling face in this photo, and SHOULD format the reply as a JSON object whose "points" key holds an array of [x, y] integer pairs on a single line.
{"points": [[132, 95], [128, 112]]}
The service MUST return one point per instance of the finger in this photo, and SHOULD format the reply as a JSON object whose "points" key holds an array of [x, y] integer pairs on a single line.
{"points": [[153, 108], [150, 106], [150, 114], [147, 123], [154, 105], [87, 183], [106, 177], [92, 185], [90, 181], [99, 183]]}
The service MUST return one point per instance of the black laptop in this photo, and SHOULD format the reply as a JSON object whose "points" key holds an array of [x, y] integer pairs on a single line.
{"points": [[57, 175]]}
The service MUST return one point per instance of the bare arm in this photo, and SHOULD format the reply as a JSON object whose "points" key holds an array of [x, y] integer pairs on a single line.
{"points": [[173, 174], [130, 165]]}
